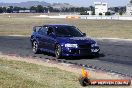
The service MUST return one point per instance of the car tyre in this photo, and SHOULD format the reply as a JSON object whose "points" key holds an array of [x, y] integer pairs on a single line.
{"points": [[96, 55], [35, 47], [58, 51]]}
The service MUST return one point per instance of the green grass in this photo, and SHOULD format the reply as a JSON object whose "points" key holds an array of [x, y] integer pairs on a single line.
{"points": [[16, 74], [21, 24]]}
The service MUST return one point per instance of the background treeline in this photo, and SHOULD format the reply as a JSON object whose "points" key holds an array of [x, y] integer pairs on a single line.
{"points": [[41, 9]]}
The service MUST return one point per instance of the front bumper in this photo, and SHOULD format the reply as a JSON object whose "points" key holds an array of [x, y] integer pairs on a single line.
{"points": [[80, 51]]}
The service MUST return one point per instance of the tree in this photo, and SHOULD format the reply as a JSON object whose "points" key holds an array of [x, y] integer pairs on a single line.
{"points": [[16, 8], [122, 9], [100, 14], [120, 13], [1, 10], [33, 8], [50, 8], [84, 13], [107, 13], [40, 9], [45, 9], [23, 8], [92, 8], [116, 9], [4, 9], [9, 9]]}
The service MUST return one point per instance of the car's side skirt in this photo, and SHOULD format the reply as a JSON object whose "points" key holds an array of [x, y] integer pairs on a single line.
{"points": [[46, 50]]}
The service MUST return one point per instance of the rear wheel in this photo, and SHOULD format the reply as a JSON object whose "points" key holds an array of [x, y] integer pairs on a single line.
{"points": [[35, 47], [58, 51]]}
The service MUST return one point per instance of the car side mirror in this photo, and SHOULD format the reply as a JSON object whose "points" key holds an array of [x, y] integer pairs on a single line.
{"points": [[84, 34], [34, 29]]}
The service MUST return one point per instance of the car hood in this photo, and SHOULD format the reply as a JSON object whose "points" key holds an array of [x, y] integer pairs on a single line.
{"points": [[77, 40]]}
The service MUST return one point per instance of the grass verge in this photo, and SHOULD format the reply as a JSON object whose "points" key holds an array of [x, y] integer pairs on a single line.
{"points": [[21, 24], [17, 74]]}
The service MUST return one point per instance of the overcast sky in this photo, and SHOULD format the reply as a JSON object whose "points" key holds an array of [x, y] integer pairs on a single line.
{"points": [[78, 2]]}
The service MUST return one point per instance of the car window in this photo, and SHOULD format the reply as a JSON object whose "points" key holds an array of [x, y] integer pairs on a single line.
{"points": [[36, 28], [43, 31], [68, 31], [50, 30]]}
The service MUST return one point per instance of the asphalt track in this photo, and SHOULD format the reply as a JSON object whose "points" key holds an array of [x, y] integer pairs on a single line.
{"points": [[115, 56]]}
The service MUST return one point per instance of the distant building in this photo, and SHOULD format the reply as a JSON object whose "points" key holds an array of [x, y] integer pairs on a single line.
{"points": [[32, 11], [89, 12], [100, 8], [111, 12], [15, 11], [24, 11], [129, 8]]}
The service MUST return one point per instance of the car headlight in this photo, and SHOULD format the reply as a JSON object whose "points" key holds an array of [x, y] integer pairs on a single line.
{"points": [[93, 45], [71, 45]]}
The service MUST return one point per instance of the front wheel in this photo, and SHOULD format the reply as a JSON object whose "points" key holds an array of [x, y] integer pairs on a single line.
{"points": [[96, 55], [58, 51]]}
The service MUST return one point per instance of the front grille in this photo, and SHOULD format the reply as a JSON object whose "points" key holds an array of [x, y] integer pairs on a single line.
{"points": [[85, 52], [73, 51], [87, 46]]}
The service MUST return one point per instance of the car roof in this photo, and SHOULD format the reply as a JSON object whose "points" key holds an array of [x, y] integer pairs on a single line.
{"points": [[57, 25]]}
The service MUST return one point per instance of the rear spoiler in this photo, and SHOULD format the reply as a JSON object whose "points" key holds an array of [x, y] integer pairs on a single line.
{"points": [[36, 28]]}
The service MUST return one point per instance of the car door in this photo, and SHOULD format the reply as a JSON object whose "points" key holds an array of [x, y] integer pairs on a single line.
{"points": [[51, 39], [42, 36]]}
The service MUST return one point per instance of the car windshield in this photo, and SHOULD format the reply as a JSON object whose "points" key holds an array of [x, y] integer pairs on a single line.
{"points": [[68, 31]]}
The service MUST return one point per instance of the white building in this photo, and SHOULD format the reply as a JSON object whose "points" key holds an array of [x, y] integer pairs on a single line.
{"points": [[24, 11], [100, 8], [89, 12], [129, 8]]}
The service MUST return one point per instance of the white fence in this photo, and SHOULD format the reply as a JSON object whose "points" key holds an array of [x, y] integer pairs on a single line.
{"points": [[107, 17], [88, 17]]}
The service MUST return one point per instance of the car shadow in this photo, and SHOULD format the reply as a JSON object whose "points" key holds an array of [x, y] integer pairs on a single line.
{"points": [[21, 46], [48, 54], [84, 57]]}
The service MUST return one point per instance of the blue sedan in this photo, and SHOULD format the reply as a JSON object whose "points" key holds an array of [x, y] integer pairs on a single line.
{"points": [[62, 40]]}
